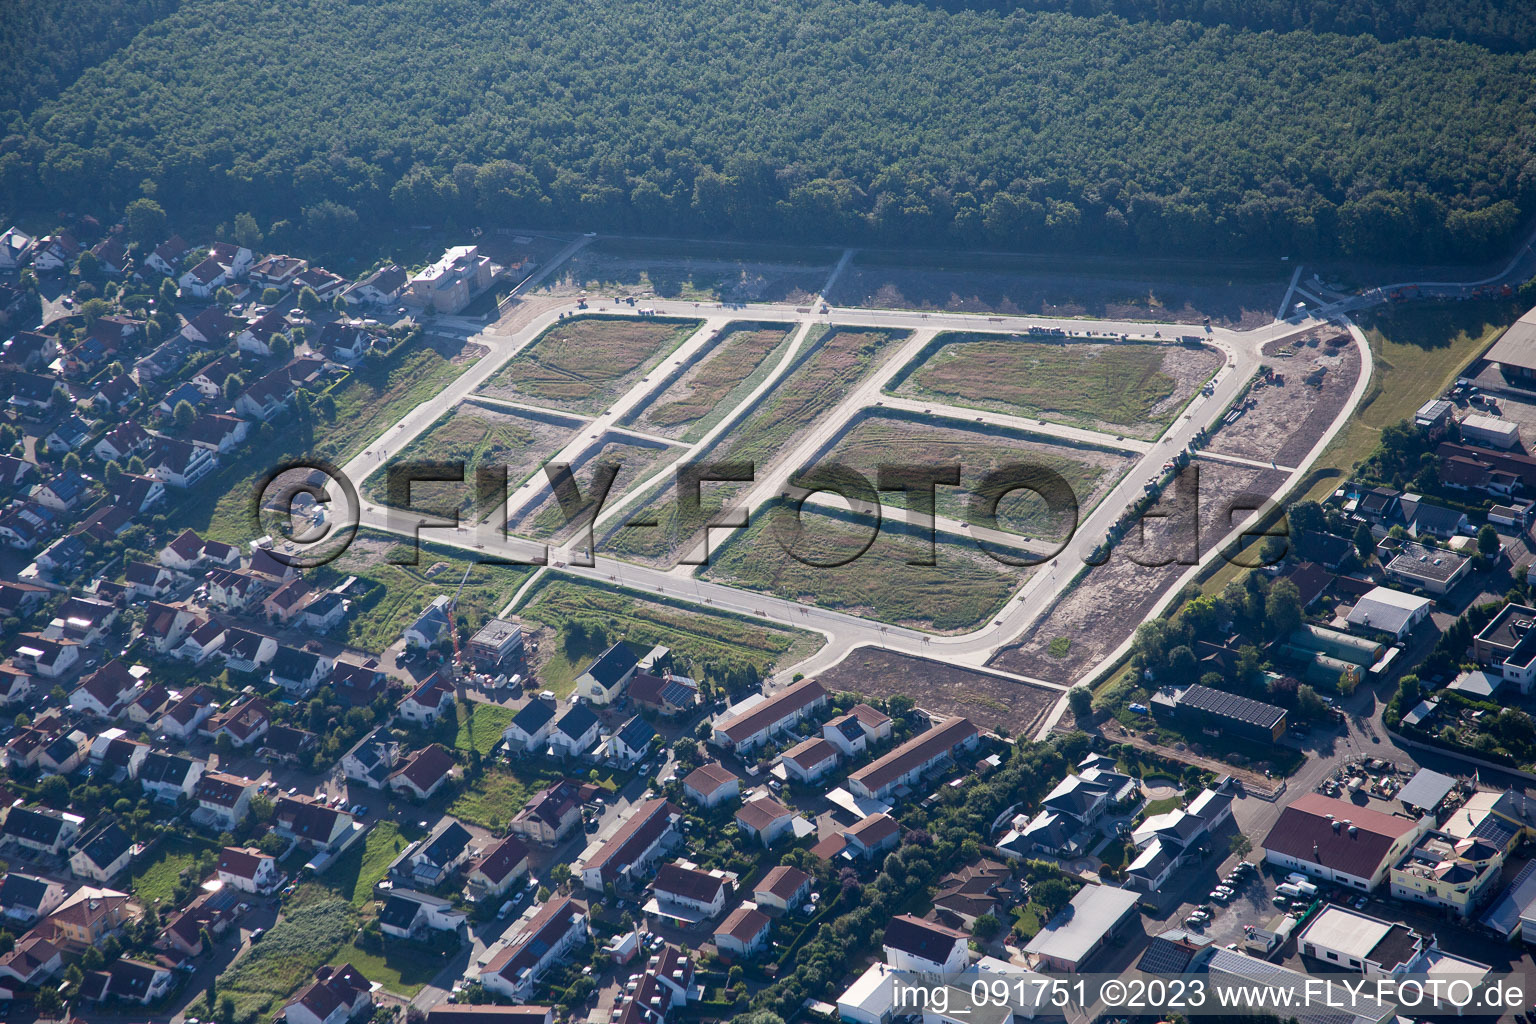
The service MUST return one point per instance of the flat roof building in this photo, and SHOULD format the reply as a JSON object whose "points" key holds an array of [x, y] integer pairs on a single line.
{"points": [[1097, 915]]}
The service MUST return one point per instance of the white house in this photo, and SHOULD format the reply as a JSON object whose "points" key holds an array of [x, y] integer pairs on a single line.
{"points": [[248, 869], [528, 732], [711, 785], [912, 944], [532, 946], [744, 932]]}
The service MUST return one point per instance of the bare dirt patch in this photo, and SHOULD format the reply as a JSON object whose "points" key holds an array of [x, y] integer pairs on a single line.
{"points": [[877, 438], [637, 461], [715, 383], [1129, 388], [1282, 420], [478, 435], [1234, 295], [582, 364], [990, 701], [1108, 603]]}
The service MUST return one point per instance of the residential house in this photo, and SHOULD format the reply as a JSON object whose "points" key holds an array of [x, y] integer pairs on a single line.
{"points": [[765, 819], [536, 944], [90, 915], [434, 620], [574, 732], [145, 581], [423, 773], [284, 744], [408, 914], [358, 685], [743, 933], [169, 777], [183, 554], [248, 869], [604, 679], [24, 899], [315, 825], [745, 730], [667, 695], [383, 287], [372, 759], [102, 853], [975, 890], [550, 814], [108, 690], [299, 672], [167, 257], [223, 800], [625, 857], [631, 742], [925, 947], [809, 760], [244, 722], [495, 644], [909, 762], [782, 889], [711, 785], [685, 893], [431, 698], [32, 961], [434, 860], [336, 996], [129, 981], [186, 715], [495, 871], [528, 732], [122, 443]]}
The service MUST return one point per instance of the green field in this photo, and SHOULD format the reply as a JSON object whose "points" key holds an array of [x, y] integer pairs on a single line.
{"points": [[496, 797], [636, 460], [883, 438], [697, 638], [306, 938], [403, 968], [738, 363], [398, 593], [354, 873], [479, 435], [154, 880], [821, 377], [368, 402], [1085, 384], [582, 364], [959, 593], [481, 725]]}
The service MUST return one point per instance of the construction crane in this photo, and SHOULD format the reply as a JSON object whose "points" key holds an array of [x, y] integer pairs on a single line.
{"points": [[453, 627]]}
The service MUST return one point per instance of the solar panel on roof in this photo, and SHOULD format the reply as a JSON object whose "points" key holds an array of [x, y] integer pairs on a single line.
{"points": [[1165, 957], [1230, 705]]}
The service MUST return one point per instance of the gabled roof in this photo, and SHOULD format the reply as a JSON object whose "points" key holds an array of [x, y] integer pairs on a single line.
{"points": [[533, 716], [220, 789], [447, 845], [707, 778], [577, 722], [243, 862], [1304, 831], [635, 733], [782, 881], [613, 664], [775, 709], [924, 939], [761, 812], [104, 845], [541, 934], [501, 859], [425, 768], [646, 823], [675, 879]]}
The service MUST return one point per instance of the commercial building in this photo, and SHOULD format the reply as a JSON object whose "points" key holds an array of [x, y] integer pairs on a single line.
{"points": [[1434, 570], [1340, 842], [1445, 871], [1097, 915], [1389, 611], [1206, 708], [448, 285]]}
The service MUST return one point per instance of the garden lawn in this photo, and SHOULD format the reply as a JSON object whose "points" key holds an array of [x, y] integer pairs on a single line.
{"points": [[354, 874], [154, 880], [481, 725]]}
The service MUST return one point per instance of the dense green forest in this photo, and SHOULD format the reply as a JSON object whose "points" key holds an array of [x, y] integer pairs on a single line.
{"points": [[833, 120], [1497, 24], [45, 44]]}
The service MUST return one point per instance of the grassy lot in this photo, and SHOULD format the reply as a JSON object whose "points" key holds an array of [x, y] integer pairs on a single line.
{"points": [[498, 795], [636, 460], [697, 638], [354, 874], [480, 726], [1419, 349], [1083, 383], [746, 353], [477, 435], [584, 363], [834, 365], [309, 934], [368, 401], [154, 880], [885, 438], [1028, 920], [961, 591], [1167, 803], [404, 968], [399, 592]]}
